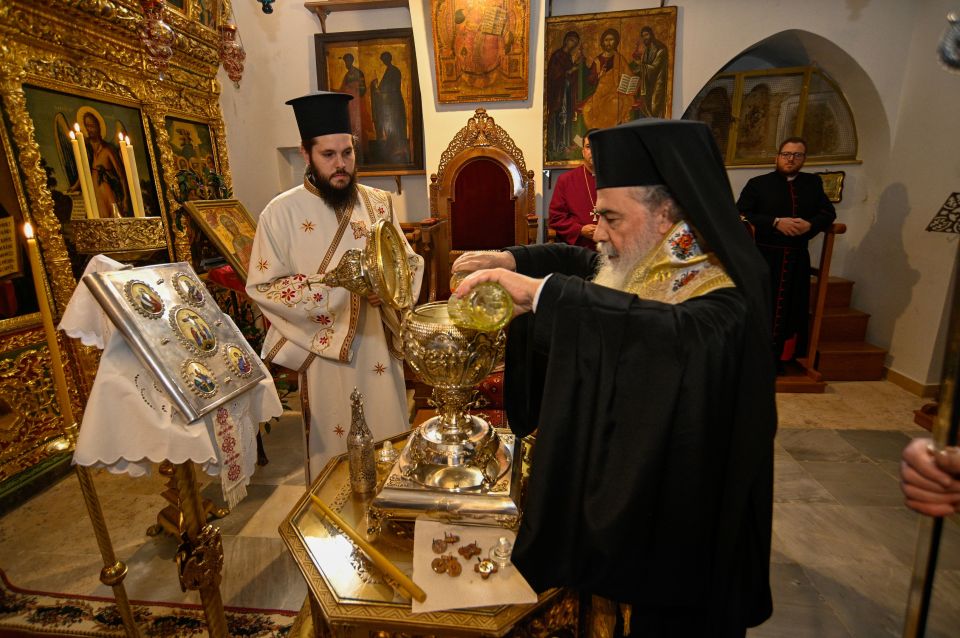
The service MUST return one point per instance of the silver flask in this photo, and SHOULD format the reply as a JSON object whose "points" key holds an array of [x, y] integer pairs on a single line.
{"points": [[360, 449]]}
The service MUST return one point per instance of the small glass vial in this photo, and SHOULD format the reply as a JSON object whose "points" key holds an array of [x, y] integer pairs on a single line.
{"points": [[387, 454], [500, 553], [360, 449]]}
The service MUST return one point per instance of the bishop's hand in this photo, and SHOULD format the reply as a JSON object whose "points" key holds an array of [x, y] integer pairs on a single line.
{"points": [[930, 480], [522, 289], [482, 259]]}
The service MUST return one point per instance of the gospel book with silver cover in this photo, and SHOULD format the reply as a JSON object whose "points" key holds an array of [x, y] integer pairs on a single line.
{"points": [[173, 325]]}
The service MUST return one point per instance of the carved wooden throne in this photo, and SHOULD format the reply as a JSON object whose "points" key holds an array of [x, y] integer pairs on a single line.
{"points": [[482, 198]]}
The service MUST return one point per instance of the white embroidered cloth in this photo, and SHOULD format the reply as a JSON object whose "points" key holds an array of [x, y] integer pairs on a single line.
{"points": [[129, 422]]}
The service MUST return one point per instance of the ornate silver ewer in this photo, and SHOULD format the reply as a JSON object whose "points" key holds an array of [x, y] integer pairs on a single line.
{"points": [[454, 466]]}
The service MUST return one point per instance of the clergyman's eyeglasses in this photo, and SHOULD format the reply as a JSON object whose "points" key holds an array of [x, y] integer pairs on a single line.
{"points": [[793, 155]]}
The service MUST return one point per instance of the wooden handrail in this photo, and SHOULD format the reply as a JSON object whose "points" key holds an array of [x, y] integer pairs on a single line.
{"points": [[823, 280]]}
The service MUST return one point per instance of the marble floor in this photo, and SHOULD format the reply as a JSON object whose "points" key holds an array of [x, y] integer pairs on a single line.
{"points": [[842, 549]]}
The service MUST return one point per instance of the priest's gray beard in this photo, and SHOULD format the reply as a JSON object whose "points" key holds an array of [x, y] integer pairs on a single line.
{"points": [[615, 269], [339, 199], [611, 273]]}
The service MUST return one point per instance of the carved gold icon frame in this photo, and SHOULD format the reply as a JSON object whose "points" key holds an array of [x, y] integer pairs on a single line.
{"points": [[91, 50], [230, 227]]}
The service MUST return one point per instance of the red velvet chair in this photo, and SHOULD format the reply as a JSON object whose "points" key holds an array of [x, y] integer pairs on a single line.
{"points": [[482, 197]]}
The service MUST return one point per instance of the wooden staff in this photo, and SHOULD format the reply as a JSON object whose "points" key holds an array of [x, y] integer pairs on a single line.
{"points": [[945, 430]]}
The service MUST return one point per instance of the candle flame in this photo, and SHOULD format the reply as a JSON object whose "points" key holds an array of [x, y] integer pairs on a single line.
{"points": [[76, 127], [73, 135], [28, 230]]}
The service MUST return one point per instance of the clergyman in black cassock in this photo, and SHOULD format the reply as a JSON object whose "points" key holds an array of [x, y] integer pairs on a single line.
{"points": [[652, 473], [765, 200]]}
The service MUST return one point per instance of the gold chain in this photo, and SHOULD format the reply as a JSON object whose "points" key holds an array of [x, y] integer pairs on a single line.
{"points": [[593, 212]]}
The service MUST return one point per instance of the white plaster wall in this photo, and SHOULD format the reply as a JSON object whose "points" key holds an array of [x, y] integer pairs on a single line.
{"points": [[880, 51], [281, 65], [903, 273]]}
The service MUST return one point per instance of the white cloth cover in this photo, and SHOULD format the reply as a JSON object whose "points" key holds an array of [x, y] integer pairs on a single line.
{"points": [[129, 422]]}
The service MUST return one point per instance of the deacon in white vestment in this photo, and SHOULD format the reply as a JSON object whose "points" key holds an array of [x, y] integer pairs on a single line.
{"points": [[337, 340]]}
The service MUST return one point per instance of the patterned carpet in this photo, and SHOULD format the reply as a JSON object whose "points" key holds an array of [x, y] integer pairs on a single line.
{"points": [[34, 613]]}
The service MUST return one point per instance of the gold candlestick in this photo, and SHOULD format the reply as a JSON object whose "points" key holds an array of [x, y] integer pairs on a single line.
{"points": [[113, 570]]}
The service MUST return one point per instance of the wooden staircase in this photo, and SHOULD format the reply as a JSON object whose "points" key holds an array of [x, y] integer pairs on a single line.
{"points": [[843, 354], [837, 333]]}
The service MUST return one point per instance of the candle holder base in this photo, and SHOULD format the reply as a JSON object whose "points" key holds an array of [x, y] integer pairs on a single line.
{"points": [[59, 445]]}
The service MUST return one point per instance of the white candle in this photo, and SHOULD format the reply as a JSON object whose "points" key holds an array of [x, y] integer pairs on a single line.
{"points": [[125, 152], [138, 210], [86, 169], [81, 176]]}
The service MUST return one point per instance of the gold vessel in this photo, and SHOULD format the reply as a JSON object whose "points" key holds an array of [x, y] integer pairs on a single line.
{"points": [[454, 450], [454, 466]]}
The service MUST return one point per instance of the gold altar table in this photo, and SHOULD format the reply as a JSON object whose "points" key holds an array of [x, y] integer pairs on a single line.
{"points": [[349, 597]]}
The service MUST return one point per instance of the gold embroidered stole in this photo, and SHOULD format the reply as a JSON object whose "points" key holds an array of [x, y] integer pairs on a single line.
{"points": [[677, 270]]}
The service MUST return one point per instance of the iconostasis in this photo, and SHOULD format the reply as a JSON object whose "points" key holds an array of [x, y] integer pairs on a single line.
{"points": [[111, 122]]}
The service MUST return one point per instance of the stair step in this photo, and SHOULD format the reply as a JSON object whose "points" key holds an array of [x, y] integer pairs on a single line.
{"points": [[843, 324], [839, 292], [850, 361]]}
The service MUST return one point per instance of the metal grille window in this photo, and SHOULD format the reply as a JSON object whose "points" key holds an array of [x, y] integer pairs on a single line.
{"points": [[750, 112]]}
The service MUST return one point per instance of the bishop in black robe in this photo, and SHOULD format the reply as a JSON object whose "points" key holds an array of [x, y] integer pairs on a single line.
{"points": [[652, 472]]}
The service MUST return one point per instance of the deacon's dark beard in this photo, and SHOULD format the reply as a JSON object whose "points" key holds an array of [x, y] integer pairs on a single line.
{"points": [[339, 199]]}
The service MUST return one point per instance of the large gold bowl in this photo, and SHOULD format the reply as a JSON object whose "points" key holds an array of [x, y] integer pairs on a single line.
{"points": [[454, 465], [453, 450]]}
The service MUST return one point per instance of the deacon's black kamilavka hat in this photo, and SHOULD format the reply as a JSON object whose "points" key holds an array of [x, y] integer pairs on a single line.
{"points": [[322, 113]]}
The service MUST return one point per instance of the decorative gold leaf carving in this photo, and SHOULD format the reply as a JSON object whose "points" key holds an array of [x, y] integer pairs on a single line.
{"points": [[29, 414], [91, 48], [92, 236], [481, 130]]}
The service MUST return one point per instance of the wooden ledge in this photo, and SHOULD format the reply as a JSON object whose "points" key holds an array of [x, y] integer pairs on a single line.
{"points": [[323, 8]]}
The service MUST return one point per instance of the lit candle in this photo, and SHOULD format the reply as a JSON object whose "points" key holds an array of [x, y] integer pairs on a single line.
{"points": [[138, 199], [81, 176], [124, 155], [95, 209], [56, 362]]}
